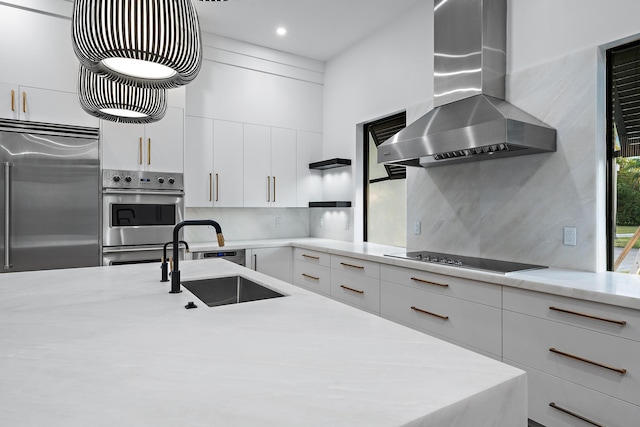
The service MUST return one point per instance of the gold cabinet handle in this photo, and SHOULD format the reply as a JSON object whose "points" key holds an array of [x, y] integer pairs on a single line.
{"points": [[13, 100], [274, 188], [149, 151], [217, 189], [310, 277], [589, 316], [311, 256], [419, 310], [573, 414], [140, 151], [268, 189], [591, 362], [24, 102], [444, 285], [352, 290], [210, 187], [352, 266]]}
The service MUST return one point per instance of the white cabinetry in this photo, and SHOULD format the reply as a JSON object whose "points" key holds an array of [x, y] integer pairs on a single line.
{"points": [[154, 147], [356, 282], [39, 74], [213, 160], [43, 105], [274, 262], [269, 166], [312, 270], [462, 311], [582, 358]]}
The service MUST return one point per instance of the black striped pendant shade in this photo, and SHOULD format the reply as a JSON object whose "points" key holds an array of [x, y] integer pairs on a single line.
{"points": [[146, 43], [119, 102]]}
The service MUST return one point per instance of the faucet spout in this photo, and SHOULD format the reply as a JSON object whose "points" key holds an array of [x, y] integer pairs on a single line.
{"points": [[175, 273]]}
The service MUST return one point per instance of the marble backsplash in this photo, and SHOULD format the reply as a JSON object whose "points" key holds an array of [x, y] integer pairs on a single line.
{"points": [[249, 223], [515, 208]]}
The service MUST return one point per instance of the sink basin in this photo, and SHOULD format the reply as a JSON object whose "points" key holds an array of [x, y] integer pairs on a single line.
{"points": [[228, 290]]}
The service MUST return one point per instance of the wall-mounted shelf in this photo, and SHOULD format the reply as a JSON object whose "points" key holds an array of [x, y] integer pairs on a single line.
{"points": [[329, 204], [330, 164]]}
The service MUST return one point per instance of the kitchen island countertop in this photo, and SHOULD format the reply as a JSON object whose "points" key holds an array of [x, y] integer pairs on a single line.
{"points": [[109, 346]]}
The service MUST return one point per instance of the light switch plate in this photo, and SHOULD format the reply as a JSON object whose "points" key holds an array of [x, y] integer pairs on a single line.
{"points": [[417, 227]]}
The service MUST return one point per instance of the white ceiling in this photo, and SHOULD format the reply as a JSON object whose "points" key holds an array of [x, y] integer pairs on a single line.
{"points": [[316, 29]]}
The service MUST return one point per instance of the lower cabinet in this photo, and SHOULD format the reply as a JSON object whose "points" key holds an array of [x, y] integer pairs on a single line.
{"points": [[274, 262], [554, 402], [432, 303], [582, 358]]}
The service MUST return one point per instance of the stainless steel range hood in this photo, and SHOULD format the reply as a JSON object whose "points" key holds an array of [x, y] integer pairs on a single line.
{"points": [[471, 120]]}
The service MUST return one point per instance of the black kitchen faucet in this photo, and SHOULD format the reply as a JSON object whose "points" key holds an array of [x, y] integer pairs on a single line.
{"points": [[175, 273], [164, 267]]}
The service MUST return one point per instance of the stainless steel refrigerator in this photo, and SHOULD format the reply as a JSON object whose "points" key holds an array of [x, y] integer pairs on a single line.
{"points": [[50, 196]]}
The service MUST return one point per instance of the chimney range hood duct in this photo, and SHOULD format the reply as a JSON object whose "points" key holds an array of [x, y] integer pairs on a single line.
{"points": [[470, 120]]}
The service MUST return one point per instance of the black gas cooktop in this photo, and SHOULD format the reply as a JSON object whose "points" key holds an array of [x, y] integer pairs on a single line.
{"points": [[492, 265]]}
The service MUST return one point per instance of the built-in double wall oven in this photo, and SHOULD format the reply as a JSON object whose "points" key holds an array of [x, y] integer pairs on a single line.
{"points": [[139, 212]]}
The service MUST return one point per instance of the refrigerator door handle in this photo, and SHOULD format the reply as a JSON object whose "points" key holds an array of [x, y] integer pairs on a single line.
{"points": [[7, 215]]}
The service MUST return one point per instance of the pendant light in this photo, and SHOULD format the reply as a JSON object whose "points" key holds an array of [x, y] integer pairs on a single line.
{"points": [[119, 102], [146, 43]]}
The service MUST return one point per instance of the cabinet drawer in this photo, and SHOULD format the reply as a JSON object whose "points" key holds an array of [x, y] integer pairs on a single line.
{"points": [[313, 257], [596, 407], [353, 289], [355, 266], [313, 277], [480, 292], [599, 317], [592, 359], [475, 325]]}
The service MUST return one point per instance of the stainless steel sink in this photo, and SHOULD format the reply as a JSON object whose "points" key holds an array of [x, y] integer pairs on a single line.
{"points": [[228, 290]]}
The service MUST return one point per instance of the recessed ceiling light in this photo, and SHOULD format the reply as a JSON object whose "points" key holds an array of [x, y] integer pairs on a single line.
{"points": [[281, 31]]}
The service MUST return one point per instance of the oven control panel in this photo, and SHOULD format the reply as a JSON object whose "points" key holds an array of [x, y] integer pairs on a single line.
{"points": [[141, 180]]}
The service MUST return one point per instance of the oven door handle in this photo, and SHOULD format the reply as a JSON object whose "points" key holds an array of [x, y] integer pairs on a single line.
{"points": [[144, 192]]}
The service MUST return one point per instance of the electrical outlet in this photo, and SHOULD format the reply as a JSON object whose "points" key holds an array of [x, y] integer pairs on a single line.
{"points": [[570, 236], [278, 221], [346, 224], [416, 227], [321, 222]]}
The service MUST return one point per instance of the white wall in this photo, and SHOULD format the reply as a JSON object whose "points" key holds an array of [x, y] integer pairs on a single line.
{"points": [[512, 209], [384, 74], [541, 30]]}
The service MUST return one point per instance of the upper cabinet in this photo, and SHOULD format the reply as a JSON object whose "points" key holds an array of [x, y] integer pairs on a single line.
{"points": [[270, 166], [155, 147], [42, 105], [213, 163], [309, 149]]}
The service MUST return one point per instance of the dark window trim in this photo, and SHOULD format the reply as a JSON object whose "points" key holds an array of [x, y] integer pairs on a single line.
{"points": [[365, 170]]}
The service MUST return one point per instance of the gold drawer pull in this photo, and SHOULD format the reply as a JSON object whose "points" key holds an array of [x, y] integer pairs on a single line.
{"points": [[140, 151], [573, 414], [210, 187], [217, 187], [429, 283], [351, 289], [310, 277], [419, 310], [24, 102], [352, 266], [589, 316], [311, 256], [13, 100], [149, 151], [581, 359]]}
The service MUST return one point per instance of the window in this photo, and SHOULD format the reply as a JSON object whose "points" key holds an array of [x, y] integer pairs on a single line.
{"points": [[385, 205], [623, 158]]}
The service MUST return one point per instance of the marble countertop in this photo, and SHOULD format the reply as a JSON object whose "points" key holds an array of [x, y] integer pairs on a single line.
{"points": [[109, 346], [606, 287]]}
